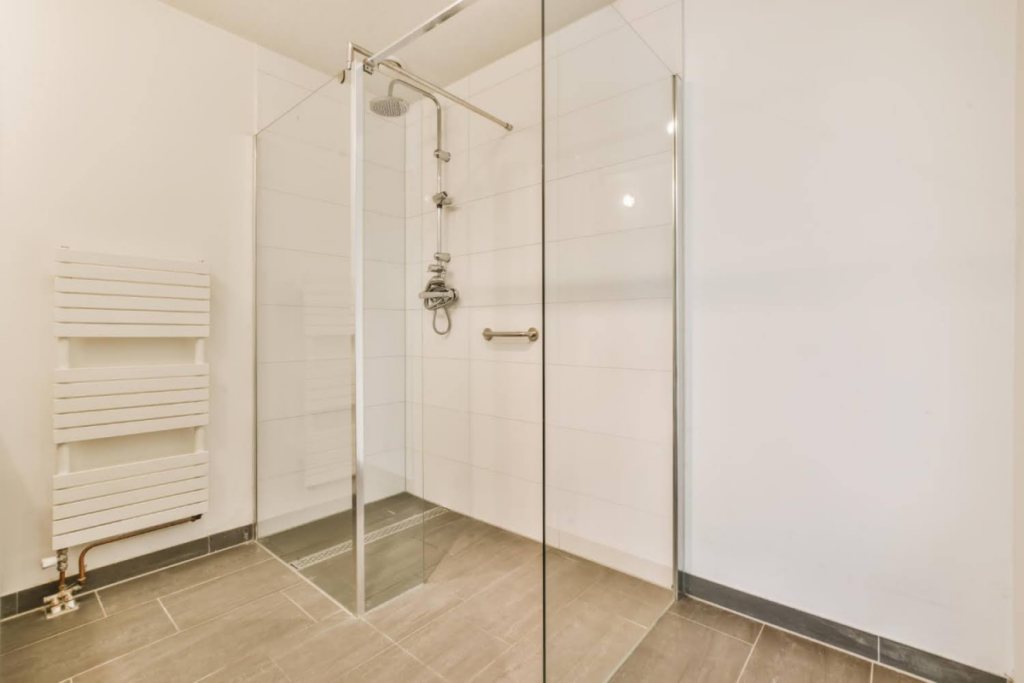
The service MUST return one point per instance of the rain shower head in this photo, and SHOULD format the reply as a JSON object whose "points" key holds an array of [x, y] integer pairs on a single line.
{"points": [[389, 107]]}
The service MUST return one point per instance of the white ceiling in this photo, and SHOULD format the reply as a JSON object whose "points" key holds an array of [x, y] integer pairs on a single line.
{"points": [[317, 32]]}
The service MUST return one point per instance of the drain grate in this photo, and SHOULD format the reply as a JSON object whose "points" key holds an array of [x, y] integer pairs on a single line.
{"points": [[379, 534]]}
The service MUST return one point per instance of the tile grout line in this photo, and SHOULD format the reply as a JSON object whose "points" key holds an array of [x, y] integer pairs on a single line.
{"points": [[710, 628], [398, 644], [289, 599], [164, 608], [307, 581], [102, 608], [95, 591], [750, 654], [124, 655]]}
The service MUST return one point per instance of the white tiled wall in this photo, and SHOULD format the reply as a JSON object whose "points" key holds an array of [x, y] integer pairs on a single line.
{"points": [[304, 294], [609, 292]]}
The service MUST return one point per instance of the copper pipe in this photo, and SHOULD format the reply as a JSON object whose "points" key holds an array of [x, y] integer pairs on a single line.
{"points": [[81, 557]]}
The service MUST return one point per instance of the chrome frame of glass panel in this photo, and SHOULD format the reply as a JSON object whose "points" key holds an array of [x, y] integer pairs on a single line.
{"points": [[678, 336], [356, 260]]}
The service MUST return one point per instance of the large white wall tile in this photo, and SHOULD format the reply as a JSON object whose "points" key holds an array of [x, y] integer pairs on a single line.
{"points": [[629, 126], [283, 444], [318, 120], [510, 219], [448, 483], [415, 332], [635, 404], [299, 388], [385, 428], [509, 276], [446, 383], [634, 194], [615, 63], [303, 169], [297, 278], [617, 536], [385, 381], [505, 446], [579, 334], [509, 390], [505, 68], [383, 285], [507, 502], [506, 164], [637, 474], [289, 221], [384, 333], [383, 189], [291, 333], [383, 142], [384, 474], [636, 264], [516, 100], [446, 433], [384, 237]]}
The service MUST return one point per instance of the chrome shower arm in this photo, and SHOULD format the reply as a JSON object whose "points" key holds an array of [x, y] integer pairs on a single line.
{"points": [[354, 49], [440, 139]]}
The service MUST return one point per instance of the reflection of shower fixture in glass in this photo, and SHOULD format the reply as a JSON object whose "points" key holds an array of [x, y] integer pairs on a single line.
{"points": [[437, 295]]}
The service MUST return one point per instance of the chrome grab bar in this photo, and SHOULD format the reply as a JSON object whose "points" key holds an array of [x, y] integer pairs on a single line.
{"points": [[532, 334]]}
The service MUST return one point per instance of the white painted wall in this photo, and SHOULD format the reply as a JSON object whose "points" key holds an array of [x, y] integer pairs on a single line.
{"points": [[125, 127], [849, 190]]}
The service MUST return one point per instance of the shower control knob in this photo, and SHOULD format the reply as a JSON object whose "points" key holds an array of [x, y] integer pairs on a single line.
{"points": [[443, 257], [436, 268]]}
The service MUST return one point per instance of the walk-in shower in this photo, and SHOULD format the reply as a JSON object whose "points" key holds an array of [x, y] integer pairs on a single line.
{"points": [[487, 486]]}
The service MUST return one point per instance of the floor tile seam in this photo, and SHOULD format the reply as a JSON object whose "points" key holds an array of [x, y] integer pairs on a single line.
{"points": [[102, 608], [52, 636], [640, 641], [305, 579], [277, 656], [494, 661], [123, 655], [750, 654], [398, 644], [194, 585], [297, 605], [177, 633], [164, 608], [246, 602], [462, 601], [670, 613], [96, 591], [581, 598]]}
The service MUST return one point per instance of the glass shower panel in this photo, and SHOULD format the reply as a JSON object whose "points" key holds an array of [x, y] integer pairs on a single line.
{"points": [[394, 511], [304, 321], [608, 367]]}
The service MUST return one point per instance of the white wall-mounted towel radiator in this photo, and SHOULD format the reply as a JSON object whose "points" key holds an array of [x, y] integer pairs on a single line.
{"points": [[106, 296]]}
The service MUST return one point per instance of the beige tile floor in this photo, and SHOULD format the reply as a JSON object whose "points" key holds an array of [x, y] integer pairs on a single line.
{"points": [[242, 615]]}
